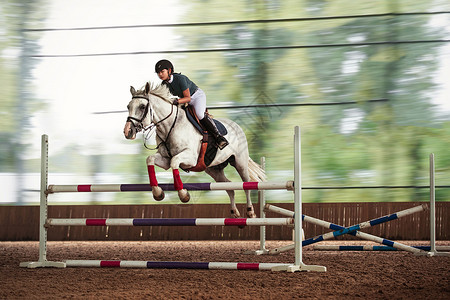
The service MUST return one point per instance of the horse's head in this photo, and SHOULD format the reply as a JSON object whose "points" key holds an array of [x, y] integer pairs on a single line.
{"points": [[139, 112]]}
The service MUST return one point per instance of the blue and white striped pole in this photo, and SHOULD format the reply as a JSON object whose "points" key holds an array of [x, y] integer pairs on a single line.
{"points": [[362, 235], [355, 229], [371, 248]]}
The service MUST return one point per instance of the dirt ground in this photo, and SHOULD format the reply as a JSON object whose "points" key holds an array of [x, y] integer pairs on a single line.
{"points": [[350, 275]]}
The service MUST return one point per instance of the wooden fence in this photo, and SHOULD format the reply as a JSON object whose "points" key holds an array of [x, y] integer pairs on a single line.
{"points": [[19, 223]]}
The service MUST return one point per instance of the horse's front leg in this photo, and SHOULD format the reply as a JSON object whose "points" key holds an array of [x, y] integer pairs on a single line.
{"points": [[188, 160], [160, 161]]}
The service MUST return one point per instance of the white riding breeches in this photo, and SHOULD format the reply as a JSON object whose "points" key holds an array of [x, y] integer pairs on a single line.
{"points": [[198, 101]]}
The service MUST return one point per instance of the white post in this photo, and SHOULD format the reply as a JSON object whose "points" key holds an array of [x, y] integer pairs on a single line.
{"points": [[298, 197], [262, 229], [298, 265], [433, 251], [43, 210], [43, 207], [262, 213], [432, 206]]}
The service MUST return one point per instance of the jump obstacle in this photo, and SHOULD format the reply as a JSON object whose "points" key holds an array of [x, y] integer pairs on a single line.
{"points": [[45, 223], [431, 250], [293, 217], [354, 230]]}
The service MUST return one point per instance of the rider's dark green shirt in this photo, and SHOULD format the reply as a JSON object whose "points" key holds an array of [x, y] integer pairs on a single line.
{"points": [[179, 84]]}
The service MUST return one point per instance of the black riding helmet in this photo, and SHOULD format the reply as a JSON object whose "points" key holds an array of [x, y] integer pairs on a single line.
{"points": [[163, 64]]}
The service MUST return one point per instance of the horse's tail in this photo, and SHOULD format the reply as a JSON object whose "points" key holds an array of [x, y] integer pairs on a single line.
{"points": [[255, 171]]}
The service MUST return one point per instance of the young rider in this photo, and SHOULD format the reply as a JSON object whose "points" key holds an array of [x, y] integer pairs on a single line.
{"points": [[188, 92]]}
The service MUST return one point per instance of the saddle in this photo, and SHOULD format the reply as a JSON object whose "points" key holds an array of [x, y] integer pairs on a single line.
{"points": [[208, 150]]}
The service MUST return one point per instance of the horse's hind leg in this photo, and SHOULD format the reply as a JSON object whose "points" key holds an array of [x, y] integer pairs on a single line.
{"points": [[219, 176], [242, 169]]}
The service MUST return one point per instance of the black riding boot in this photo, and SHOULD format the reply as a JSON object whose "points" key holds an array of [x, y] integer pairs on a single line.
{"points": [[210, 126]]}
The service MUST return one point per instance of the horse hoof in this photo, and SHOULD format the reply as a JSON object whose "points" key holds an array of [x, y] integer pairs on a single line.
{"points": [[184, 195], [158, 193], [235, 213], [250, 212]]}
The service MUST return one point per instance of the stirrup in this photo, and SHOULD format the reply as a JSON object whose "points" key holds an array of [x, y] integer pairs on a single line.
{"points": [[221, 142]]}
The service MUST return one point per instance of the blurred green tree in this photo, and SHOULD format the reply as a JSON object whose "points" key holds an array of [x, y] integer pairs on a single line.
{"points": [[368, 143], [17, 100]]}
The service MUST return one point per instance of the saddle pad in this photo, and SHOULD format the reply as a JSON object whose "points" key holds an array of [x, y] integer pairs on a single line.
{"points": [[211, 150]]}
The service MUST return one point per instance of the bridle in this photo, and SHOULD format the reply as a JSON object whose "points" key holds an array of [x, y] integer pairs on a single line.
{"points": [[139, 126]]}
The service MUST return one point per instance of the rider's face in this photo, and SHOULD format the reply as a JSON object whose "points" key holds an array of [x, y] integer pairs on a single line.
{"points": [[164, 74]]}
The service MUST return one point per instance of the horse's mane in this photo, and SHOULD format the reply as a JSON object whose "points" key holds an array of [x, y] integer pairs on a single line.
{"points": [[159, 90]]}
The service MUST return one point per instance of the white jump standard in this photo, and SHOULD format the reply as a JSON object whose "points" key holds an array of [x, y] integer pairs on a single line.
{"points": [[434, 251], [46, 223]]}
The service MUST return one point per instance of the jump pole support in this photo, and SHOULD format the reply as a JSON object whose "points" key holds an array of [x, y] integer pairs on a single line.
{"points": [[43, 212], [262, 229], [299, 265], [262, 203], [433, 250]]}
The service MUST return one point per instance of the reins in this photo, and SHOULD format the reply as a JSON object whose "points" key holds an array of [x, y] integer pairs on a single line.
{"points": [[170, 131], [153, 125]]}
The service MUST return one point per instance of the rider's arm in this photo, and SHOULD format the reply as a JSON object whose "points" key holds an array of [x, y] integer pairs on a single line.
{"points": [[186, 97]]}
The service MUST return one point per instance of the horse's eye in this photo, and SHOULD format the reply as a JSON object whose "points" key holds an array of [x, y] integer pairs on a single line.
{"points": [[142, 107]]}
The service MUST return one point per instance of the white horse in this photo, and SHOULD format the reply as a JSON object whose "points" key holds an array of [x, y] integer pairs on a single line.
{"points": [[179, 144]]}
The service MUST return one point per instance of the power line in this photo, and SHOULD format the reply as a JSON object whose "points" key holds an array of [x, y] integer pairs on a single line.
{"points": [[236, 22], [295, 104], [348, 187], [239, 49], [267, 105], [373, 187]]}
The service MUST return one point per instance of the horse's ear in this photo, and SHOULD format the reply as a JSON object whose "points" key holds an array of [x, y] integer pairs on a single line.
{"points": [[147, 88], [132, 90]]}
